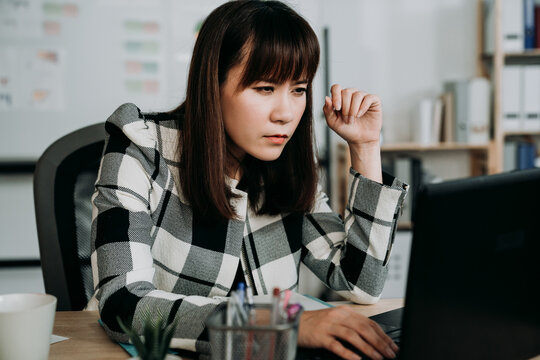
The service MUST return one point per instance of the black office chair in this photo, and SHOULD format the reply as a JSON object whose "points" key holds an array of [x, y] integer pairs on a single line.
{"points": [[63, 185]]}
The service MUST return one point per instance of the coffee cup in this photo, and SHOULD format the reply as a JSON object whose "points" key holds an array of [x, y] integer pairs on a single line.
{"points": [[26, 323]]}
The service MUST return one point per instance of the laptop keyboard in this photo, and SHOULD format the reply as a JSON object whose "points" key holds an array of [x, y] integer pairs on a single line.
{"points": [[395, 335], [393, 331], [323, 354]]}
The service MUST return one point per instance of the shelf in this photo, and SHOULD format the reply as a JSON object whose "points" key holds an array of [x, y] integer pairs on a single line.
{"points": [[532, 53], [405, 225], [434, 147], [521, 133]]}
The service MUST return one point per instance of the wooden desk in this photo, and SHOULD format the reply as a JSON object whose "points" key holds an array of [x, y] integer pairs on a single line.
{"points": [[87, 339]]}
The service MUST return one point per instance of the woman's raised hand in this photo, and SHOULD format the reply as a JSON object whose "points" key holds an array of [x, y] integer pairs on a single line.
{"points": [[323, 328], [354, 115]]}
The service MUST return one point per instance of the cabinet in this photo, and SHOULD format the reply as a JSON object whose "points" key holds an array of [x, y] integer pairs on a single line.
{"points": [[442, 154], [491, 65]]}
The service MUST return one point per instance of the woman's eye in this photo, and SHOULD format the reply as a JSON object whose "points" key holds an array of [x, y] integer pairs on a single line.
{"points": [[265, 89], [300, 91]]}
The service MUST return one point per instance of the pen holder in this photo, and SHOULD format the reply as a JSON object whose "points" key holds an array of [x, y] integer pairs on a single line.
{"points": [[257, 340]]}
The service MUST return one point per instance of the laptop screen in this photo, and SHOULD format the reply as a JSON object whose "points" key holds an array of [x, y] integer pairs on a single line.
{"points": [[473, 288]]}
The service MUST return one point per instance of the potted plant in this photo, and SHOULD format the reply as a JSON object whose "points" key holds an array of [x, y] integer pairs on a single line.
{"points": [[156, 336]]}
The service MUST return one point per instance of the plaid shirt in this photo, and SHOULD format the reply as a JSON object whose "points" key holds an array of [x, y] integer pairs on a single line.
{"points": [[150, 254]]}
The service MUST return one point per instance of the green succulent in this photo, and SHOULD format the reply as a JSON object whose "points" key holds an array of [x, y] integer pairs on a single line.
{"points": [[154, 341]]}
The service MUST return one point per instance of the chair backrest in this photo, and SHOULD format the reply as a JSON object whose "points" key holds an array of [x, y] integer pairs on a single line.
{"points": [[63, 185]]}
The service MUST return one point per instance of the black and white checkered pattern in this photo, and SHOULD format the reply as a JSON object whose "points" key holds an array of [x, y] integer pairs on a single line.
{"points": [[148, 251]]}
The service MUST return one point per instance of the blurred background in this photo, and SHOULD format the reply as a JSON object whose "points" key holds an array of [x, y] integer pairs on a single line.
{"points": [[459, 81]]}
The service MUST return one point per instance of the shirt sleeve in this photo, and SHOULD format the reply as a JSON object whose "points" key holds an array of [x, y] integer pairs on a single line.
{"points": [[350, 255], [122, 227]]}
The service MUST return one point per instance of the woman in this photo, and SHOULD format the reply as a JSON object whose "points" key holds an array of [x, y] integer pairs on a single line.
{"points": [[224, 189]]}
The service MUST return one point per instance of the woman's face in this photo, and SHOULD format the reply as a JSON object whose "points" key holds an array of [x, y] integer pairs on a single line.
{"points": [[261, 118]]}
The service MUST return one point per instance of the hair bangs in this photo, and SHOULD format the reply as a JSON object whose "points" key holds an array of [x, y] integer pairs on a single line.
{"points": [[289, 52]]}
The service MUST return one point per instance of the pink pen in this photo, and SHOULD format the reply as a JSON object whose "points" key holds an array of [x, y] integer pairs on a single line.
{"points": [[286, 298], [293, 310]]}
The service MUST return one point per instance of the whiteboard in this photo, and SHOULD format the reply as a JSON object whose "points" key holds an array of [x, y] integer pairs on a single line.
{"points": [[68, 64], [64, 65]]}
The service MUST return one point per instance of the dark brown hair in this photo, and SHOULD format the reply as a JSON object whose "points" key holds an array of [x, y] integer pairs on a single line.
{"points": [[276, 45]]}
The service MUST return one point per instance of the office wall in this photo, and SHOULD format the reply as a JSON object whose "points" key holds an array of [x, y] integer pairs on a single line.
{"points": [[64, 65], [399, 50]]}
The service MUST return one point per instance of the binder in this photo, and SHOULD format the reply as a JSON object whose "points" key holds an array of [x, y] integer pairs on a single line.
{"points": [[459, 90], [526, 155], [531, 98], [478, 111], [471, 109], [422, 126], [537, 26], [511, 97], [402, 170], [409, 169], [512, 26], [436, 125], [448, 117], [528, 26], [510, 156]]}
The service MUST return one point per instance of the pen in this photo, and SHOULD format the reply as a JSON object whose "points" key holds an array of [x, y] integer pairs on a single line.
{"points": [[249, 296], [240, 311], [252, 314], [241, 291], [228, 335], [293, 310], [251, 320], [286, 298], [275, 306]]}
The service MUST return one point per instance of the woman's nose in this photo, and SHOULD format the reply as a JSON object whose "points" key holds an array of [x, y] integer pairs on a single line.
{"points": [[283, 109]]}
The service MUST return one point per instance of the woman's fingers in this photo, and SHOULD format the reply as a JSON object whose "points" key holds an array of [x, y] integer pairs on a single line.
{"points": [[349, 103], [337, 348], [346, 97], [335, 91], [368, 101], [357, 100], [324, 328], [379, 342], [357, 341], [383, 336], [372, 334]]}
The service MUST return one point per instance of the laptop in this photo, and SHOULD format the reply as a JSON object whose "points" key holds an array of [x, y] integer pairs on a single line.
{"points": [[473, 288]]}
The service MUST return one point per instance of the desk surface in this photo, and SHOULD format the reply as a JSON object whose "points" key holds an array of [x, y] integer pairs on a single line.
{"points": [[87, 339]]}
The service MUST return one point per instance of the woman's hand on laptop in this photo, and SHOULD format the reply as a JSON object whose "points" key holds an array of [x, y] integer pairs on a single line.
{"points": [[323, 328]]}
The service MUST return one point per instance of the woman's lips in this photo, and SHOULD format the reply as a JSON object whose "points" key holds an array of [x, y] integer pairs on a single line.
{"points": [[277, 139]]}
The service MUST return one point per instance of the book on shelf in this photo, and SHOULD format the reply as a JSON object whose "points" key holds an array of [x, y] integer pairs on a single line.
{"points": [[468, 104], [528, 24], [447, 126], [526, 155], [537, 26], [519, 155], [427, 125], [436, 125], [510, 155]]}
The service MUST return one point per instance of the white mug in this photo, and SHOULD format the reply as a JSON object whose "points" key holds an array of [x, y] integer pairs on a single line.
{"points": [[26, 323]]}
